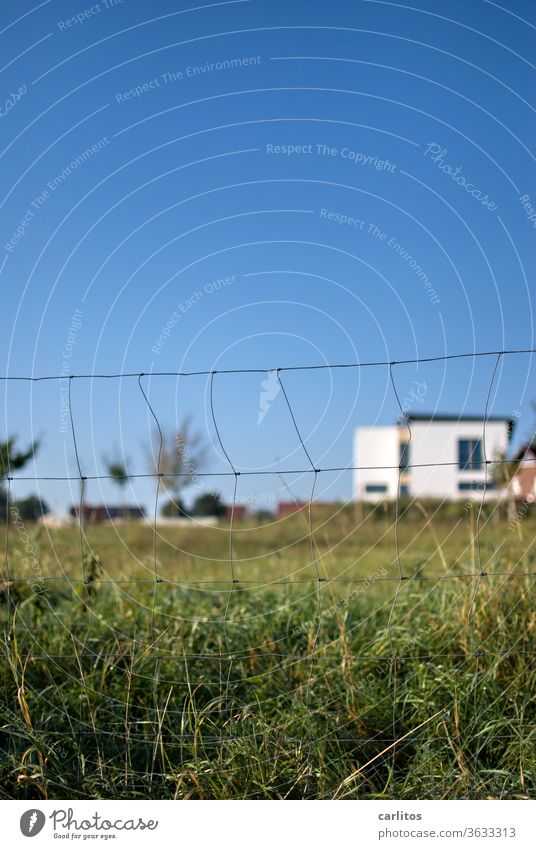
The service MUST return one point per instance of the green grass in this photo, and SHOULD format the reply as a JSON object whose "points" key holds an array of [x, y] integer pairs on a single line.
{"points": [[284, 687]]}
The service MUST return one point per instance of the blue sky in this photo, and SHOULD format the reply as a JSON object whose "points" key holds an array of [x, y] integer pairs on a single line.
{"points": [[261, 184]]}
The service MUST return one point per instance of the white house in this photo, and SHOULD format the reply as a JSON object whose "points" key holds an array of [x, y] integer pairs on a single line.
{"points": [[438, 457]]}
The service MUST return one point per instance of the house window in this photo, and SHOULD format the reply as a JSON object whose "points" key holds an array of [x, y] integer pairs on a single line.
{"points": [[404, 490], [470, 454], [404, 456], [376, 487], [467, 486]]}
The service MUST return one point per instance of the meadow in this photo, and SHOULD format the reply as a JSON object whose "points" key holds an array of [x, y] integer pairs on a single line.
{"points": [[367, 659]]}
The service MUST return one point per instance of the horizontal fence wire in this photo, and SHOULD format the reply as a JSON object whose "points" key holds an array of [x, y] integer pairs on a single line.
{"points": [[267, 370], [276, 582], [343, 658], [311, 469], [316, 653], [275, 472]]}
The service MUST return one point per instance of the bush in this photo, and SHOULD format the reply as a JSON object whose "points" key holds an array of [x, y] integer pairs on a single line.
{"points": [[173, 509], [209, 504], [26, 509], [263, 516]]}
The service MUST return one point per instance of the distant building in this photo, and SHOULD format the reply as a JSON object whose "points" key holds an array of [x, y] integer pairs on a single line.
{"points": [[238, 513], [107, 513], [438, 456], [523, 484], [287, 508]]}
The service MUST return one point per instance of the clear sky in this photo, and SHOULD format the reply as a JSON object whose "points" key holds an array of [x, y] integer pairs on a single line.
{"points": [[199, 186]]}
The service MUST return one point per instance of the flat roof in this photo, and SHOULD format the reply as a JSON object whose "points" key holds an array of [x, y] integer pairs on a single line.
{"points": [[460, 417], [455, 417]]}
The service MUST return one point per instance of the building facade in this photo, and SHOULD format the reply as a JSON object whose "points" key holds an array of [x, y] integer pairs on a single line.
{"points": [[440, 457]]}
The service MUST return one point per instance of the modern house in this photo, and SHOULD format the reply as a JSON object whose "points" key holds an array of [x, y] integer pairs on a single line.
{"points": [[437, 456]]}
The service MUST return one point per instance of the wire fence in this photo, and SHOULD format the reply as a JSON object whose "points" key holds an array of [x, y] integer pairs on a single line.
{"points": [[227, 657]]}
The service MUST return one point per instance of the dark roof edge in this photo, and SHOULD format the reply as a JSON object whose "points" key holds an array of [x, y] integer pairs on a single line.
{"points": [[456, 417]]}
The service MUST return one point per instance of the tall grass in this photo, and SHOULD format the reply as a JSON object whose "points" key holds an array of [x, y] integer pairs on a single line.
{"points": [[181, 690]]}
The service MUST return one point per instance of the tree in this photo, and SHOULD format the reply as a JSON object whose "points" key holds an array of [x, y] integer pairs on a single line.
{"points": [[174, 509], [174, 458], [117, 470], [10, 460], [209, 504], [263, 516], [31, 509]]}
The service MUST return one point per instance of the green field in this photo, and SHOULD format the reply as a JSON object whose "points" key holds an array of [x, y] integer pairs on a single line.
{"points": [[269, 662]]}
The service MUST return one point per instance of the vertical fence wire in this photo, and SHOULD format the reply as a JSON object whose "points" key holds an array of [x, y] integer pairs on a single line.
{"points": [[395, 660], [8, 582], [82, 560], [159, 475], [82, 481], [233, 579], [314, 562], [477, 648], [313, 654], [156, 580]]}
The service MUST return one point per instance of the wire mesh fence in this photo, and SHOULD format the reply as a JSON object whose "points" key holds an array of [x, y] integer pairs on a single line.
{"points": [[311, 659]]}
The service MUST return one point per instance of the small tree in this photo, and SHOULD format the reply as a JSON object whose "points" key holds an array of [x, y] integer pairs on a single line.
{"points": [[117, 470], [263, 516], [175, 457], [209, 504], [173, 509], [10, 460], [32, 508]]}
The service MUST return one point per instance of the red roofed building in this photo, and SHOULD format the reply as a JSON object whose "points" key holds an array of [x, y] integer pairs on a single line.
{"points": [[287, 508], [523, 483], [239, 513]]}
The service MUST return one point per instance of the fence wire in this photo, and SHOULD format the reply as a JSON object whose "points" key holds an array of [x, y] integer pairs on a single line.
{"points": [[226, 658]]}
